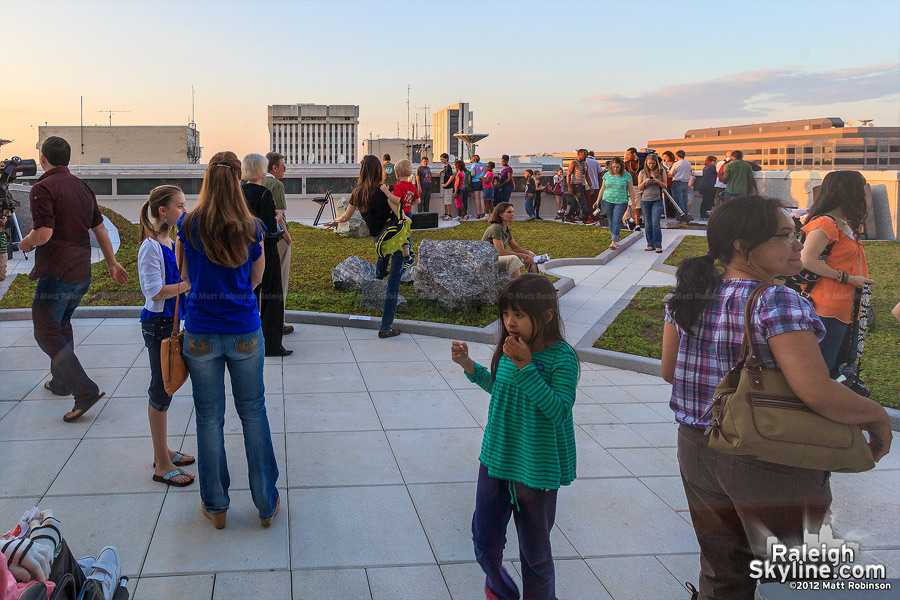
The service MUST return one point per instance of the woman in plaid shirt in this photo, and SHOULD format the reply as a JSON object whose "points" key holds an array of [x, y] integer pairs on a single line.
{"points": [[737, 502]]}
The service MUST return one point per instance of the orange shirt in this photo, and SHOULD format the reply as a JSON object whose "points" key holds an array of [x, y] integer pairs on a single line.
{"points": [[830, 298]]}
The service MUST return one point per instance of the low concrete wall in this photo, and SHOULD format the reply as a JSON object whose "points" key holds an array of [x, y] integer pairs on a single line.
{"points": [[796, 188]]}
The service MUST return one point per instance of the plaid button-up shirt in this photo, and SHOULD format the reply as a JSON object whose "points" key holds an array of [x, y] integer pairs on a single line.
{"points": [[715, 346]]}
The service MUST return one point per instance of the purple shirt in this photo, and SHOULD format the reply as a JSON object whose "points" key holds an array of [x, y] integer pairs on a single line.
{"points": [[715, 346], [505, 176]]}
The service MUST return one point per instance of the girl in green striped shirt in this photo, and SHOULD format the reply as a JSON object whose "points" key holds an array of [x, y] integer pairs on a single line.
{"points": [[528, 451]]}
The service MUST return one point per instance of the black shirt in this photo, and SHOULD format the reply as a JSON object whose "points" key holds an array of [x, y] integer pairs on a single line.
{"points": [[446, 175], [262, 205], [378, 213]]}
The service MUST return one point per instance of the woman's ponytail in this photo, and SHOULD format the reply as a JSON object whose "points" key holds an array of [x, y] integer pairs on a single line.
{"points": [[697, 281], [160, 197], [147, 229]]}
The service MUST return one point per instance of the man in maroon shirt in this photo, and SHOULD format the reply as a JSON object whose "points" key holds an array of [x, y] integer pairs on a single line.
{"points": [[64, 210]]}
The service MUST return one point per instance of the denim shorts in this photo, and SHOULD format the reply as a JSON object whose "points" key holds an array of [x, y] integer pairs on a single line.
{"points": [[489, 193], [155, 330], [477, 186]]}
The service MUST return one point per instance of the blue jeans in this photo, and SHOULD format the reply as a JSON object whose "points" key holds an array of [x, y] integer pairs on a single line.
{"points": [[206, 356], [534, 520], [615, 212], [833, 344], [502, 193], [392, 295], [652, 212], [529, 204], [51, 312], [730, 196], [155, 330], [680, 191]]}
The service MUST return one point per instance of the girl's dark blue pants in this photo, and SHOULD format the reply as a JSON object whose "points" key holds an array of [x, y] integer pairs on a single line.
{"points": [[534, 512]]}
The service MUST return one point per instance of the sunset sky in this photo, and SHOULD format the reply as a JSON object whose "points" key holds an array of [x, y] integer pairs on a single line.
{"points": [[539, 76]]}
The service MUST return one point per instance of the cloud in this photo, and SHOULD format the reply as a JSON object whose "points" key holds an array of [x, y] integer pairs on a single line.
{"points": [[754, 93]]}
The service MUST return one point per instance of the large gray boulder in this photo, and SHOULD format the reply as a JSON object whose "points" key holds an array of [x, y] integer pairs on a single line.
{"points": [[372, 296], [458, 274], [355, 227], [351, 273]]}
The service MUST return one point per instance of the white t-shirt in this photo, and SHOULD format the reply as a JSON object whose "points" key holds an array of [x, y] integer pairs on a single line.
{"points": [[682, 171], [719, 164]]}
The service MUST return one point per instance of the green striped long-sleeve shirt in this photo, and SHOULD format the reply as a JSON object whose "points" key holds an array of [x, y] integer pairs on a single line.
{"points": [[530, 437]]}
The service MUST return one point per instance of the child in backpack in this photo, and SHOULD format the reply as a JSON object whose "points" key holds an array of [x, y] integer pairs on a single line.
{"points": [[161, 283], [488, 185], [528, 451], [409, 196]]}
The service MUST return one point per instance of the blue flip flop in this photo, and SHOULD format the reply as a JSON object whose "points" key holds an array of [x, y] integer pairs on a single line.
{"points": [[167, 478]]}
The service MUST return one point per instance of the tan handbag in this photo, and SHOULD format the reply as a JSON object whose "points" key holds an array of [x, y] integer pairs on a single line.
{"points": [[174, 370], [755, 414]]}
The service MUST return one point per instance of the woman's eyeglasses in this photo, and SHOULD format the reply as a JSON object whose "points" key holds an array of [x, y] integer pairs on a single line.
{"points": [[789, 237]]}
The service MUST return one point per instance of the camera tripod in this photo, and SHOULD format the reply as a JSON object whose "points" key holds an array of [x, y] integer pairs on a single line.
{"points": [[15, 223]]}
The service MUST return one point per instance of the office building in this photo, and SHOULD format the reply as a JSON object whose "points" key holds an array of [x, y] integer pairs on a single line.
{"points": [[398, 148], [456, 118], [316, 134], [810, 144], [128, 145]]}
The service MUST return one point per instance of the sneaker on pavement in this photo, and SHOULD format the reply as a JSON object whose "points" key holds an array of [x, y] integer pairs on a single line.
{"points": [[87, 564], [107, 570], [408, 262], [530, 218]]}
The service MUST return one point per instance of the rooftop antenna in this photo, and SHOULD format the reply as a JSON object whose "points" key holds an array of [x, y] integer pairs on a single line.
{"points": [[111, 114]]}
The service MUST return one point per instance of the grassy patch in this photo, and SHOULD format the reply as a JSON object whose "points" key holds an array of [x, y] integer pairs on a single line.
{"points": [[315, 252], [690, 246], [638, 328]]}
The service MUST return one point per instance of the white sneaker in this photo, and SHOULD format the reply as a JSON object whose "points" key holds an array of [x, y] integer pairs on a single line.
{"points": [[107, 570], [530, 218], [465, 217]]}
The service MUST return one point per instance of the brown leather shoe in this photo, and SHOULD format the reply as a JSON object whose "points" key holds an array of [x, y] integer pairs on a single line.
{"points": [[218, 519], [267, 522]]}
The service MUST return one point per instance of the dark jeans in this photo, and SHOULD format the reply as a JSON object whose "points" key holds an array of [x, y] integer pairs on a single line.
{"points": [[155, 330], [502, 193], [681, 193], [270, 296], [534, 520], [51, 312], [581, 198], [426, 200], [709, 198], [392, 295], [736, 502], [832, 345], [537, 203]]}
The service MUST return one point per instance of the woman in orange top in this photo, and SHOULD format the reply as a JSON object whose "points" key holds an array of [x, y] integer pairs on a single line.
{"points": [[837, 217]]}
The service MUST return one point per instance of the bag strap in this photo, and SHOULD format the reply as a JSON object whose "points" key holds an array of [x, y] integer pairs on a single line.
{"points": [[180, 261], [748, 351]]}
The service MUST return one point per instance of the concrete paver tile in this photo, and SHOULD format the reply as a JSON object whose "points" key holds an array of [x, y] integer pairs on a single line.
{"points": [[311, 332], [136, 381], [574, 579], [683, 567], [17, 384], [606, 517], [354, 333], [588, 414], [356, 526], [183, 539], [626, 378], [661, 435], [43, 420], [317, 351], [95, 356], [407, 583], [23, 357], [634, 413], [437, 455], [244, 585], [854, 496], [5, 407], [115, 332], [414, 410], [477, 401], [636, 578], [439, 349], [669, 489], [592, 378], [594, 460], [347, 411], [126, 521], [651, 393], [29, 467], [106, 378], [323, 379], [455, 376], [331, 584], [184, 587], [645, 461], [609, 394], [616, 436], [383, 377], [398, 349], [340, 458]]}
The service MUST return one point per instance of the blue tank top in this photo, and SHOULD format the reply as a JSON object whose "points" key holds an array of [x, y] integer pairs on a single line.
{"points": [[172, 276]]}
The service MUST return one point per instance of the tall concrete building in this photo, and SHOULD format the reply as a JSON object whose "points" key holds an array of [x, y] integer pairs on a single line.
{"points": [[128, 145], [446, 122], [323, 134], [809, 144]]}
